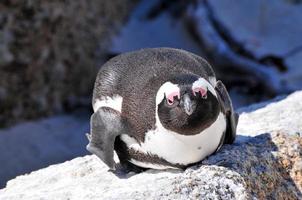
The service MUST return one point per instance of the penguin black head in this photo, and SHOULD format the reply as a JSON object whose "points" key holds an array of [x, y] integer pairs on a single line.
{"points": [[187, 104]]}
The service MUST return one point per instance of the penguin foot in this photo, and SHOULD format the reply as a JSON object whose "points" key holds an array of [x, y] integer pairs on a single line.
{"points": [[106, 125]]}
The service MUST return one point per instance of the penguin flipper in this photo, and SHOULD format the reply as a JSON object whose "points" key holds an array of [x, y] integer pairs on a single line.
{"points": [[227, 108], [106, 124]]}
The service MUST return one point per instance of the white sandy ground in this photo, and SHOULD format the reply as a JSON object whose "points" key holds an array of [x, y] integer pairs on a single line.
{"points": [[88, 178]]}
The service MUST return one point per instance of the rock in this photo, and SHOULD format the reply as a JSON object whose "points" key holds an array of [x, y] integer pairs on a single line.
{"points": [[235, 67], [293, 74], [254, 45], [163, 30], [50, 51], [269, 31], [6, 56], [263, 163], [282, 116], [41, 143], [264, 28]]}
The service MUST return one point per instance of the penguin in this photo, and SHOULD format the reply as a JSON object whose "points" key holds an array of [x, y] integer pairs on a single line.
{"points": [[159, 108]]}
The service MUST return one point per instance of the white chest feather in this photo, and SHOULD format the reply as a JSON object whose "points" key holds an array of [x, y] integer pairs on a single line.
{"points": [[114, 102], [176, 148]]}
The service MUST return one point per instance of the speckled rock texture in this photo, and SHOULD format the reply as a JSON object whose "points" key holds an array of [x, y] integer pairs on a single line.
{"points": [[264, 163], [50, 52]]}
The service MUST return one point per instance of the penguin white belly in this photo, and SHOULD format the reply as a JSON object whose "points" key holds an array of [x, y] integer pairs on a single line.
{"points": [[176, 148]]}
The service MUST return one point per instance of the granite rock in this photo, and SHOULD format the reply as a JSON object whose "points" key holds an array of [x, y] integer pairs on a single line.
{"points": [[263, 163]]}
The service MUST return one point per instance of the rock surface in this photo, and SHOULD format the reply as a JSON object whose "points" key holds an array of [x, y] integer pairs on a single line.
{"points": [[34, 145], [263, 163], [50, 52]]}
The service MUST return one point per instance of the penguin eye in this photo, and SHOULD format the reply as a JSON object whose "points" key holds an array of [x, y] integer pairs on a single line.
{"points": [[171, 96], [201, 91]]}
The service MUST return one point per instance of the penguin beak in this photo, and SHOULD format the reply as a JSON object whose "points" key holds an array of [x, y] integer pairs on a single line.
{"points": [[188, 104]]}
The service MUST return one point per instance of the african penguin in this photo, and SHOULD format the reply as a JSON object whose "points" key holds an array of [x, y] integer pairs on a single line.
{"points": [[159, 108]]}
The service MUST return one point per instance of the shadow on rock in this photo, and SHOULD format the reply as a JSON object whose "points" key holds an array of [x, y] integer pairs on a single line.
{"points": [[270, 165]]}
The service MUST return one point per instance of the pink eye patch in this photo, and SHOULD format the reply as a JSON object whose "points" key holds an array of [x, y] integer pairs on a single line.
{"points": [[170, 97], [200, 90]]}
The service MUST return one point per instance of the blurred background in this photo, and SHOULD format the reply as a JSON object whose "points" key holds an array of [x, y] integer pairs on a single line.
{"points": [[50, 52]]}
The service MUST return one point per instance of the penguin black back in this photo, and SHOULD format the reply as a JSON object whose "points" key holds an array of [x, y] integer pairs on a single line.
{"points": [[136, 77], [159, 108]]}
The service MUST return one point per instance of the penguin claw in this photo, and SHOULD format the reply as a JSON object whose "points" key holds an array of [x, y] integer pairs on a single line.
{"points": [[108, 160]]}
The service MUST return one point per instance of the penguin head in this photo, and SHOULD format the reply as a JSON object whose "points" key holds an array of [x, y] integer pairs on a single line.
{"points": [[187, 104]]}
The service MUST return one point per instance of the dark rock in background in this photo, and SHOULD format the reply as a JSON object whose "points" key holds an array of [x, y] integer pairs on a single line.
{"points": [[50, 52], [236, 64], [269, 32]]}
